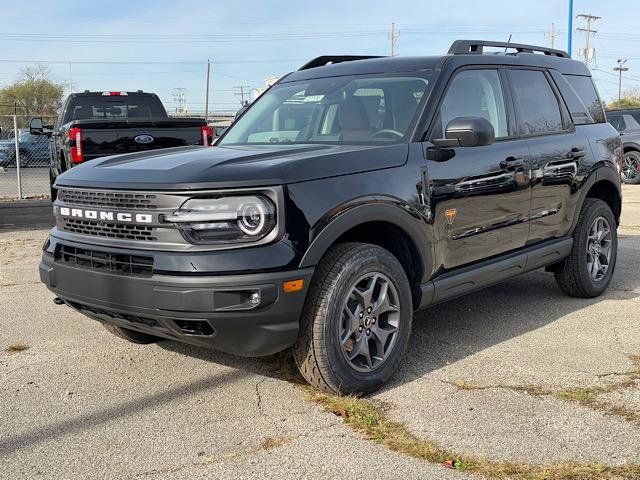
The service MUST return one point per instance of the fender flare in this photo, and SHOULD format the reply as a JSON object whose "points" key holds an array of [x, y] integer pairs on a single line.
{"points": [[369, 212], [633, 145], [602, 173]]}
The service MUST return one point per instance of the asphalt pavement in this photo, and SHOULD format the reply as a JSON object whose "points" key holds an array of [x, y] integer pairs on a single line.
{"points": [[480, 377]]}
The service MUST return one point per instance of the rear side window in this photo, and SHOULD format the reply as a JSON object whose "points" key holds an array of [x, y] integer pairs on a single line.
{"points": [[586, 91], [617, 121], [536, 103]]}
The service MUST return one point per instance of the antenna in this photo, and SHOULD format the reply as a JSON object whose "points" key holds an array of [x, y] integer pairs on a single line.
{"points": [[508, 42]]}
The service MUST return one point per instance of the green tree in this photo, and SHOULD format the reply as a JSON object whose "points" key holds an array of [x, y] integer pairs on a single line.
{"points": [[629, 99], [33, 93]]}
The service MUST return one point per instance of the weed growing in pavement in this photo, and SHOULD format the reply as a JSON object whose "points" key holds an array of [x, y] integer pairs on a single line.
{"points": [[16, 347]]}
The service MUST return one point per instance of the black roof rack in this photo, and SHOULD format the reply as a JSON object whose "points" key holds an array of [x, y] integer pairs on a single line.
{"points": [[329, 59], [466, 47]]}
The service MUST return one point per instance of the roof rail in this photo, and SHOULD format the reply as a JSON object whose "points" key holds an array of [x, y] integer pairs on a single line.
{"points": [[466, 47], [330, 59]]}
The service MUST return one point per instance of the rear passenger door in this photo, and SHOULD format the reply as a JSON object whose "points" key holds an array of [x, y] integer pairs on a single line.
{"points": [[556, 151]]}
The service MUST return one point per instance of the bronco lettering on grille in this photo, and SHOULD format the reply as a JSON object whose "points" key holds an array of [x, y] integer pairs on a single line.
{"points": [[123, 217]]}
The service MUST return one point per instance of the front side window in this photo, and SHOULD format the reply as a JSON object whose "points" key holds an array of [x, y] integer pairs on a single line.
{"points": [[537, 106], [350, 109], [474, 93]]}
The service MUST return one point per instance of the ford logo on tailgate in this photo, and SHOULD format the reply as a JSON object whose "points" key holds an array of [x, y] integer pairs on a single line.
{"points": [[144, 139]]}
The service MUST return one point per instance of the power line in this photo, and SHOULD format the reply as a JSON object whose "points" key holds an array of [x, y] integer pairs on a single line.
{"points": [[241, 93]]}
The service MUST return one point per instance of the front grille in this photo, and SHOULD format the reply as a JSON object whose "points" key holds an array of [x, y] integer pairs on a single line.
{"points": [[109, 230], [149, 322], [106, 261], [123, 200]]}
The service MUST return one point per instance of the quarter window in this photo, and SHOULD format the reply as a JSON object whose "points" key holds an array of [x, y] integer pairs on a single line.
{"points": [[474, 93], [537, 105], [586, 91]]}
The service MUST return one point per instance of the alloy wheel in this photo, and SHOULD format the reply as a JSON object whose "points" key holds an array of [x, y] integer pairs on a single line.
{"points": [[599, 243], [369, 322], [630, 166]]}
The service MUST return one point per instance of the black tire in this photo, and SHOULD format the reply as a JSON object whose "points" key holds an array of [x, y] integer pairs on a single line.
{"points": [[630, 173], [130, 335], [54, 191], [573, 275], [318, 352]]}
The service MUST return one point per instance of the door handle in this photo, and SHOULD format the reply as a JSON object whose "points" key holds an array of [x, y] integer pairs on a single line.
{"points": [[511, 162], [576, 152]]}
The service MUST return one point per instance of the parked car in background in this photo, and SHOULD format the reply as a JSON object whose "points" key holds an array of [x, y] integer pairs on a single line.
{"points": [[33, 149], [98, 124], [627, 122]]}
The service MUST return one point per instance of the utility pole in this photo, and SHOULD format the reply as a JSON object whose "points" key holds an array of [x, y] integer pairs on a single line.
{"points": [[620, 68], [206, 95], [394, 38], [570, 29], [552, 35], [586, 51], [241, 93]]}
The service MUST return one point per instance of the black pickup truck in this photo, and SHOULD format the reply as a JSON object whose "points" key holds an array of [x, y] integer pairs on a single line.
{"points": [[98, 124]]}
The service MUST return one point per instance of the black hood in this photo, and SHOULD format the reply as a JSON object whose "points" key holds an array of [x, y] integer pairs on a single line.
{"points": [[193, 168]]}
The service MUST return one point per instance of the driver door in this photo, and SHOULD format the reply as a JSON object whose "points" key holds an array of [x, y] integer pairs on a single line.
{"points": [[480, 196]]}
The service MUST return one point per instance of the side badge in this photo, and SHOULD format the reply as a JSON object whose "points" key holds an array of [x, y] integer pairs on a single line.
{"points": [[450, 214]]}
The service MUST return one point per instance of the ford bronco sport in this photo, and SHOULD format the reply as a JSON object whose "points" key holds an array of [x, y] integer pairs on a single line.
{"points": [[352, 193]]}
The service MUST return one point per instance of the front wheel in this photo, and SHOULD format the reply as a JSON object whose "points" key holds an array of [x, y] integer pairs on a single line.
{"points": [[587, 271], [356, 321], [631, 168]]}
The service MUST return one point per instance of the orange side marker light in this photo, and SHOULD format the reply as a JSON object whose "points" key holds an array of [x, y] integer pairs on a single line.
{"points": [[292, 285]]}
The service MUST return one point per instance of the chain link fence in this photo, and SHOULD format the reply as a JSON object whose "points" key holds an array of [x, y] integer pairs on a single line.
{"points": [[24, 158]]}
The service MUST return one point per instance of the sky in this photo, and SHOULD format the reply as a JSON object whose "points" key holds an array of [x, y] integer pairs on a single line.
{"points": [[161, 45]]}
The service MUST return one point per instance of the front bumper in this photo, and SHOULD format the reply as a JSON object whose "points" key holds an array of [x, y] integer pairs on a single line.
{"points": [[202, 310]]}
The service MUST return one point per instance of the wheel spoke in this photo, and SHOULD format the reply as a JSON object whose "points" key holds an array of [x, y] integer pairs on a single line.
{"points": [[380, 337], [365, 296]]}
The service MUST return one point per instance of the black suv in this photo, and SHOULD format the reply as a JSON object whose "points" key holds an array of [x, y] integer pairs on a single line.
{"points": [[627, 122], [354, 192]]}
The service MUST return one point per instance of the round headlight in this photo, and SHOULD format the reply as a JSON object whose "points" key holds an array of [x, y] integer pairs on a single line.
{"points": [[252, 218]]}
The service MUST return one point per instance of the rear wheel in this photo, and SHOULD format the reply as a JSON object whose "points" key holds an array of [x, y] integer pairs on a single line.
{"points": [[631, 168], [356, 322], [587, 272], [130, 335]]}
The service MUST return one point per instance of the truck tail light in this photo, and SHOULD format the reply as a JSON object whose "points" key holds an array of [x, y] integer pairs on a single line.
{"points": [[75, 144], [207, 136]]}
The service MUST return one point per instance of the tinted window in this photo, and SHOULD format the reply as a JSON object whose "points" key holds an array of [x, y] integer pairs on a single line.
{"points": [[474, 93], [537, 105], [584, 88], [617, 121], [101, 107]]}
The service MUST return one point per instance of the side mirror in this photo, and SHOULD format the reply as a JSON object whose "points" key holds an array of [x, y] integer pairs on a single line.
{"points": [[36, 127], [467, 132]]}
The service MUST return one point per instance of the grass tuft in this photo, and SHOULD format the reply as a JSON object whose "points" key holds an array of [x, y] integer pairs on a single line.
{"points": [[270, 442], [16, 347]]}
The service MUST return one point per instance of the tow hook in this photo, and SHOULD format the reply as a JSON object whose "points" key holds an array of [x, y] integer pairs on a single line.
{"points": [[58, 301]]}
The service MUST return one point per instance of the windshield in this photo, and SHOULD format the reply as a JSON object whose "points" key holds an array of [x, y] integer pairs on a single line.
{"points": [[354, 109]]}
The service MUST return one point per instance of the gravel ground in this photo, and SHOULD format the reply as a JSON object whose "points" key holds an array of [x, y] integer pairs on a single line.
{"points": [[80, 403]]}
